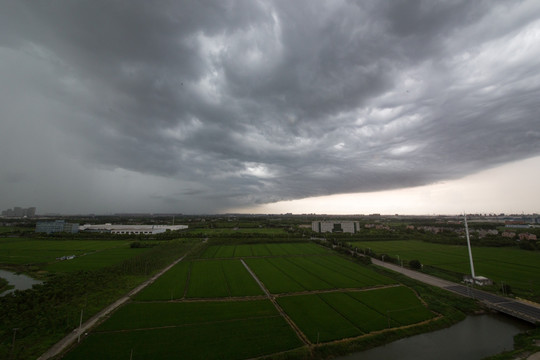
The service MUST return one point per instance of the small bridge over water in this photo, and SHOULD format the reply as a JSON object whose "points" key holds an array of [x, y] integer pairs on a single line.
{"points": [[501, 304]]}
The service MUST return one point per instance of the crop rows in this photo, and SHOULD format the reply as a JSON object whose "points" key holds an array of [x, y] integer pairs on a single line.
{"points": [[251, 250], [337, 315], [234, 339], [159, 314], [202, 279], [211, 328], [292, 274]]}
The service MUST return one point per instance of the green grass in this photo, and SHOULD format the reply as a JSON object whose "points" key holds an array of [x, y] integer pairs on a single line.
{"points": [[518, 268], [399, 303], [221, 278], [95, 260], [317, 320], [169, 286], [158, 314], [228, 330], [291, 274], [31, 251], [151, 326], [361, 315], [333, 316], [251, 250]]}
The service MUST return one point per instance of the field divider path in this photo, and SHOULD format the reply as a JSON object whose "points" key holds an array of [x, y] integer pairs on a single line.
{"points": [[73, 336], [296, 329]]}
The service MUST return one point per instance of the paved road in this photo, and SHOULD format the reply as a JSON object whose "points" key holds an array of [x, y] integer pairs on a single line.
{"points": [[71, 338], [523, 310], [428, 279]]}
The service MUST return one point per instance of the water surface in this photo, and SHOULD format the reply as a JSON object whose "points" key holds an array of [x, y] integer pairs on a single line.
{"points": [[19, 281], [474, 338]]}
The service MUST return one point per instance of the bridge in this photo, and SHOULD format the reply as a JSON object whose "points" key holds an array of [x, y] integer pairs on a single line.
{"points": [[501, 304]]}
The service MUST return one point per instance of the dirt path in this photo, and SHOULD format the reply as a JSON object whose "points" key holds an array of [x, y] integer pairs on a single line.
{"points": [[72, 337], [296, 329]]}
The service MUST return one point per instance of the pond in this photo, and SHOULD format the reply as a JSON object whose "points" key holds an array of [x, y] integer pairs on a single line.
{"points": [[474, 338], [19, 281]]}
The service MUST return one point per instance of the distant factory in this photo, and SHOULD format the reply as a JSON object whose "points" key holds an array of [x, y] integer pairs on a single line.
{"points": [[131, 229], [335, 226], [57, 226]]}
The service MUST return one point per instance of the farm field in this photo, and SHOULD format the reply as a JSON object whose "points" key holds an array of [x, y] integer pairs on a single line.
{"points": [[202, 279], [212, 307], [251, 250], [518, 268], [95, 260], [207, 330], [293, 274], [337, 315], [32, 251]]}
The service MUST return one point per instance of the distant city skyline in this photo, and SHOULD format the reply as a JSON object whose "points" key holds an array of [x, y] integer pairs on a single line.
{"points": [[412, 107]]}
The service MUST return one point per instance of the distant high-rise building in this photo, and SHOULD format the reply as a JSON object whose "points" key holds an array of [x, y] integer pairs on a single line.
{"points": [[19, 212]]}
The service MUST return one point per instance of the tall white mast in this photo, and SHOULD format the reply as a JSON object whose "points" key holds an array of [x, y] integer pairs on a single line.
{"points": [[469, 246]]}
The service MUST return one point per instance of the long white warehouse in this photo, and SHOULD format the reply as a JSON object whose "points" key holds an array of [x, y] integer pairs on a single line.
{"points": [[131, 229]]}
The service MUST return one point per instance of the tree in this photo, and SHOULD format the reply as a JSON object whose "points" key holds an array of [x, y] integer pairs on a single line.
{"points": [[415, 264]]}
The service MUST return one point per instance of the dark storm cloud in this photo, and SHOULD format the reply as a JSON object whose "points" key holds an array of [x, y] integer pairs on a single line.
{"points": [[237, 103]]}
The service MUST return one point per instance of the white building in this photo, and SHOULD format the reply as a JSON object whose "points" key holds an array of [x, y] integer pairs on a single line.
{"points": [[335, 226], [132, 229]]}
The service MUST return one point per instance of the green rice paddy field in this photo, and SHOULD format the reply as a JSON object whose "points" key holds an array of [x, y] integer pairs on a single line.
{"points": [[518, 268], [90, 254], [214, 308]]}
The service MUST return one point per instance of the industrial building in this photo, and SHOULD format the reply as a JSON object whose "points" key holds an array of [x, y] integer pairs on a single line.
{"points": [[50, 227], [335, 226], [131, 229]]}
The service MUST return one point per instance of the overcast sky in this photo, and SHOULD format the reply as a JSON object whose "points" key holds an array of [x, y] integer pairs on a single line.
{"points": [[213, 106]]}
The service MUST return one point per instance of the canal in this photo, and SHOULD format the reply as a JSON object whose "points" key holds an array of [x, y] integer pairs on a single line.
{"points": [[474, 338]]}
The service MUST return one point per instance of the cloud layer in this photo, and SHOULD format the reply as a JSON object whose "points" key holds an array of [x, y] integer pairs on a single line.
{"points": [[201, 106]]}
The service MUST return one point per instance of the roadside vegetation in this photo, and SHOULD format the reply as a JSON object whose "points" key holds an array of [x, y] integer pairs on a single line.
{"points": [[514, 271]]}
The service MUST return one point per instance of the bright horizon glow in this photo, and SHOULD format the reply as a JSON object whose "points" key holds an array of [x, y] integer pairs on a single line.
{"points": [[510, 188]]}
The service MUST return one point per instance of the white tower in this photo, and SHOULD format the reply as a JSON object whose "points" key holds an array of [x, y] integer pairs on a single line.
{"points": [[469, 246]]}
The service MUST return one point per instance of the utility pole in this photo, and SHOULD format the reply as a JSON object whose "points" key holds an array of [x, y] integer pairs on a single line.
{"points": [[13, 343], [80, 327]]}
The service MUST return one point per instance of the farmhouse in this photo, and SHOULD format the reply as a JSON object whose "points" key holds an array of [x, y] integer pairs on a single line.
{"points": [[335, 226]]}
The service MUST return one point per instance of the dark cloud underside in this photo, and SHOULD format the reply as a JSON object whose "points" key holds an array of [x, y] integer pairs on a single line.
{"points": [[245, 102]]}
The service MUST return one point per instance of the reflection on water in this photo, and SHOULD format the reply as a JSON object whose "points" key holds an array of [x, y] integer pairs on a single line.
{"points": [[473, 338], [19, 281]]}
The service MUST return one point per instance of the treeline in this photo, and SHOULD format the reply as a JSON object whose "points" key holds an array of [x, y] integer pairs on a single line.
{"points": [[47, 312]]}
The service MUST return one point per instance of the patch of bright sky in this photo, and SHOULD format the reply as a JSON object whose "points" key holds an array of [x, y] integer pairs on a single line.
{"points": [[510, 188]]}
